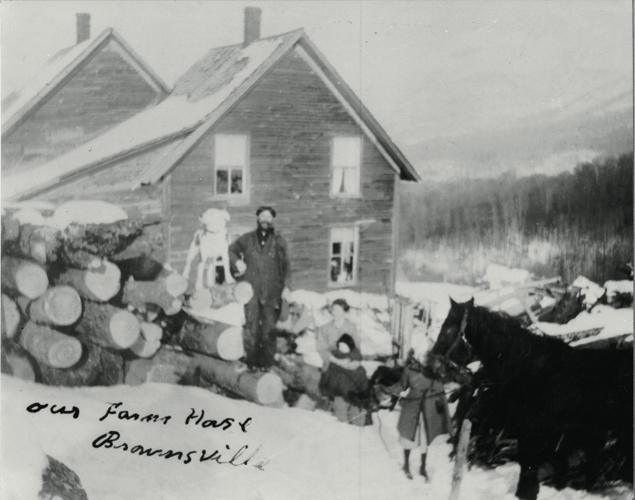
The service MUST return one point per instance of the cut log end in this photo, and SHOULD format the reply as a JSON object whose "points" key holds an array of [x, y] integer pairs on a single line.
{"points": [[201, 299], [65, 354], [269, 389], [10, 317], [145, 348], [31, 280], [230, 344], [124, 329], [175, 284], [174, 307], [243, 292], [64, 306], [103, 282]]}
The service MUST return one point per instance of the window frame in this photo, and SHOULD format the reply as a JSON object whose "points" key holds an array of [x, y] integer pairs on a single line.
{"points": [[232, 198], [355, 281], [358, 193]]}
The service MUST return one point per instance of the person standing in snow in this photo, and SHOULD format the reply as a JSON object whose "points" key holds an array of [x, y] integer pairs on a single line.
{"points": [[344, 382], [261, 258], [424, 411], [328, 335]]}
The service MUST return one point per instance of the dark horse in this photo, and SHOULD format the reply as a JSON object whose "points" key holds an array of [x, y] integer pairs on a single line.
{"points": [[555, 396]]}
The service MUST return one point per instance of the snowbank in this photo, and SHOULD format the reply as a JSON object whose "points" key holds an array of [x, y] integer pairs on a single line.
{"points": [[308, 455], [609, 321]]}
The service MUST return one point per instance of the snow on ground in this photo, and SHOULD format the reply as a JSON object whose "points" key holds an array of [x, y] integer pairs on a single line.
{"points": [[308, 455]]}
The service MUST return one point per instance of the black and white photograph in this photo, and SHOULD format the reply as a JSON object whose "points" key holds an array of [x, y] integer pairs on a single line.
{"points": [[340, 250]]}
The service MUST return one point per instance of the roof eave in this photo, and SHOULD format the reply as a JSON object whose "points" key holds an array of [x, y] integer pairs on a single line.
{"points": [[21, 113], [157, 172], [407, 171]]}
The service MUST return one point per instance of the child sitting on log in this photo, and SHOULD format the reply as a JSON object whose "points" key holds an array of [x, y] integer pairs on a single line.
{"points": [[345, 382]]}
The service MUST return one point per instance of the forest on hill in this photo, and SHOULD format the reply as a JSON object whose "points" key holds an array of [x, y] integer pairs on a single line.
{"points": [[569, 224]]}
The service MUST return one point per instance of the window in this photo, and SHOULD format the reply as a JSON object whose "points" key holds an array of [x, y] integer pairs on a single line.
{"points": [[343, 256], [345, 161], [230, 164]]}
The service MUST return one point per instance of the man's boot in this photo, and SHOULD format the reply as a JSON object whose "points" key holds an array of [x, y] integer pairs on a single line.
{"points": [[422, 469]]}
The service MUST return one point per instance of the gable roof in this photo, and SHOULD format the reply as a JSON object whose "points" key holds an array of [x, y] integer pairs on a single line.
{"points": [[201, 96], [17, 104]]}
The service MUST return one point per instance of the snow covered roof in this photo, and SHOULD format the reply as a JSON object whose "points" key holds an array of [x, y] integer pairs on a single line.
{"points": [[210, 88], [19, 102]]}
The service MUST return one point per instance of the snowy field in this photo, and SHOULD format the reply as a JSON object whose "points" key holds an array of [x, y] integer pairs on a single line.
{"points": [[297, 454]]}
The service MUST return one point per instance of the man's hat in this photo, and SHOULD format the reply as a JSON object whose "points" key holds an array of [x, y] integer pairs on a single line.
{"points": [[269, 209]]}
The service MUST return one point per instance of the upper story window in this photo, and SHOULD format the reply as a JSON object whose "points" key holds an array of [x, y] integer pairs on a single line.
{"points": [[346, 157], [230, 164]]}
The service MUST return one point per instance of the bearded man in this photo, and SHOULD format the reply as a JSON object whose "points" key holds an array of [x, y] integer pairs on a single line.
{"points": [[261, 258]]}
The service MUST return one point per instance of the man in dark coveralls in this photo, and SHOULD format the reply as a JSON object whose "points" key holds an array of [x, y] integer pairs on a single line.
{"points": [[261, 258]]}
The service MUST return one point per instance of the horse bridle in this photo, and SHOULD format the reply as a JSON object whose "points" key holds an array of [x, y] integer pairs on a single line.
{"points": [[460, 338]]}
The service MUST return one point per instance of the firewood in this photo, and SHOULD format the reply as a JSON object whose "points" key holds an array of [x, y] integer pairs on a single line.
{"points": [[10, 229], [41, 243], [221, 295], [23, 276], [103, 240], [10, 317], [100, 284], [149, 341], [143, 268], [260, 387], [139, 293], [80, 259], [108, 326], [300, 376], [17, 362], [169, 365], [98, 366], [60, 305], [49, 346], [213, 338]]}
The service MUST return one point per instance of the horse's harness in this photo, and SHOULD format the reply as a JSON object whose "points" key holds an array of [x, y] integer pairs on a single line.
{"points": [[460, 338]]}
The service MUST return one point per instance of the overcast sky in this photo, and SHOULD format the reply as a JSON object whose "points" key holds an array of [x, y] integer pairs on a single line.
{"points": [[424, 68]]}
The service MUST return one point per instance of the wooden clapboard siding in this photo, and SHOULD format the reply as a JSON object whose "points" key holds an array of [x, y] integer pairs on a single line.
{"points": [[104, 90], [291, 117]]}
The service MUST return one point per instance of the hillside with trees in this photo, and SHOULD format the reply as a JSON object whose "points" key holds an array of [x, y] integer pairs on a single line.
{"points": [[572, 223]]}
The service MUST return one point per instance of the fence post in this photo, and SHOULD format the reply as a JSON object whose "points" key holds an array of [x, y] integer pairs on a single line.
{"points": [[461, 459]]}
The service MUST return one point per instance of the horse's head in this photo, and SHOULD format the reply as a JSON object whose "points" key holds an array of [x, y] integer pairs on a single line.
{"points": [[451, 347]]}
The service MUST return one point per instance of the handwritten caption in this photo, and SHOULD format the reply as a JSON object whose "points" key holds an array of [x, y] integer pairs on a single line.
{"points": [[236, 456]]}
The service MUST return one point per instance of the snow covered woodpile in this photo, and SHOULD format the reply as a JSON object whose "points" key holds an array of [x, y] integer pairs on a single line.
{"points": [[85, 303]]}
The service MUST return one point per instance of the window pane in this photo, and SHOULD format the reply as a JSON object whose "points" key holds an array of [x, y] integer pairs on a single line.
{"points": [[346, 151], [335, 269], [221, 181], [237, 181], [230, 150], [348, 268], [337, 248]]}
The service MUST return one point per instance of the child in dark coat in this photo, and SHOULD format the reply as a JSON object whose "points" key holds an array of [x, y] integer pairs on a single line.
{"points": [[345, 382]]}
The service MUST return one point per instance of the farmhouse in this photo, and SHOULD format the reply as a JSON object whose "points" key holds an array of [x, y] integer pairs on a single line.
{"points": [[82, 91], [264, 121]]}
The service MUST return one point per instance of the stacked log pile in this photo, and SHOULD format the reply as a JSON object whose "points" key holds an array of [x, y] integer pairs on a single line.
{"points": [[87, 303]]}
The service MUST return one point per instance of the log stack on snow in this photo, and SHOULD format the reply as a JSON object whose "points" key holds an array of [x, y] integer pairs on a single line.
{"points": [[65, 320], [85, 301]]}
